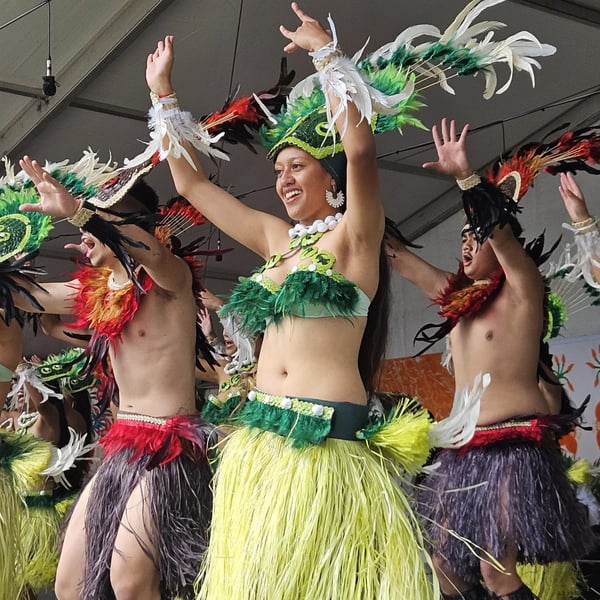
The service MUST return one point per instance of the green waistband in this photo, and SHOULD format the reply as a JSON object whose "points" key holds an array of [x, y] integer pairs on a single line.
{"points": [[304, 419], [5, 374]]}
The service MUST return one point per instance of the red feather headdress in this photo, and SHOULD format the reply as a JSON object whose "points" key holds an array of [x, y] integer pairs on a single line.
{"points": [[573, 151]]}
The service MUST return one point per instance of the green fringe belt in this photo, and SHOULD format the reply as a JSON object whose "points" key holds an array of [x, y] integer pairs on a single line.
{"points": [[217, 412], [304, 420]]}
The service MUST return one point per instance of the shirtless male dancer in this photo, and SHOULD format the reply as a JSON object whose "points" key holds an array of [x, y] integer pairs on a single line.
{"points": [[505, 491], [138, 529]]}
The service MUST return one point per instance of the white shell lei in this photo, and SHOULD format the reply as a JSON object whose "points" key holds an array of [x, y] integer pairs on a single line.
{"points": [[319, 226]]}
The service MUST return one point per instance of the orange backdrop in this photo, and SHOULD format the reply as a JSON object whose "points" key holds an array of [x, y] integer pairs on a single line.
{"points": [[423, 377]]}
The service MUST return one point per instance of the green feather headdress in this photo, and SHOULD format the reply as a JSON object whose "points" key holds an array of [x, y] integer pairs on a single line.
{"points": [[395, 76], [101, 184], [66, 368], [568, 295], [20, 233]]}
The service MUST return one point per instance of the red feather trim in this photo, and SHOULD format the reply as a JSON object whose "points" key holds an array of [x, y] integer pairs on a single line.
{"points": [[461, 298], [243, 108], [573, 151], [164, 442], [180, 207], [101, 309], [536, 430]]}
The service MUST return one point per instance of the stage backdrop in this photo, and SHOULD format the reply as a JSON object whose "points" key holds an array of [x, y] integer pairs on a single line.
{"points": [[576, 364]]}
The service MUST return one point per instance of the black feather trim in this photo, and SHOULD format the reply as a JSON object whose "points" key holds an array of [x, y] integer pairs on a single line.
{"points": [[109, 234], [486, 207], [10, 274]]}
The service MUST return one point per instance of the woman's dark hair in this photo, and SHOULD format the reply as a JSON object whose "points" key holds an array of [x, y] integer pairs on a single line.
{"points": [[372, 347], [143, 195]]}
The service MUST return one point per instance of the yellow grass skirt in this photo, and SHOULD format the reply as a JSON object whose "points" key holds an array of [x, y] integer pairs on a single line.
{"points": [[22, 457], [40, 532], [320, 522]]}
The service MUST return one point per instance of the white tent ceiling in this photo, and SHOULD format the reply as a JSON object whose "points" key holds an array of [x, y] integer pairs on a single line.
{"points": [[99, 51]]}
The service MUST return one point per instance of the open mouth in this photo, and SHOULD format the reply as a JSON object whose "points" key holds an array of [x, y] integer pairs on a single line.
{"points": [[86, 246], [290, 195]]}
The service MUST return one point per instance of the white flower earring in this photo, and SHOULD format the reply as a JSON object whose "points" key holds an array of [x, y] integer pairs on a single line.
{"points": [[334, 198]]}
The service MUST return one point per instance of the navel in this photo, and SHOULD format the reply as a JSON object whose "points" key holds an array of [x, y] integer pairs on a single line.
{"points": [[489, 335]]}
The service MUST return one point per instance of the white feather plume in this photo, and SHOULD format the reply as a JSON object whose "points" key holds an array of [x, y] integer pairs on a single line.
{"points": [[63, 459], [177, 127], [458, 428]]}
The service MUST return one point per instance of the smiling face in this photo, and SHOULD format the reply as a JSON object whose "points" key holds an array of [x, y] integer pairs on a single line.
{"points": [[301, 183], [479, 262]]}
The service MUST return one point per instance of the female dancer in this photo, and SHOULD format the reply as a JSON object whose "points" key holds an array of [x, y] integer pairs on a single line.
{"points": [[303, 509]]}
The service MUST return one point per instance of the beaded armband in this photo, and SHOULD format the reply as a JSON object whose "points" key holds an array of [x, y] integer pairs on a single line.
{"points": [[322, 57], [82, 215], [586, 226], [340, 79], [587, 260], [168, 105], [469, 182]]}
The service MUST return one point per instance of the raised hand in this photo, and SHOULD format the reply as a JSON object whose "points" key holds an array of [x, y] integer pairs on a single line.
{"points": [[55, 199], [159, 66], [210, 301], [573, 198], [309, 35], [205, 323], [452, 153]]}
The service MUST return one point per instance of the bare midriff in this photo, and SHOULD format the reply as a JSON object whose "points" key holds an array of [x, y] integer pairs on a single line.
{"points": [[313, 358]]}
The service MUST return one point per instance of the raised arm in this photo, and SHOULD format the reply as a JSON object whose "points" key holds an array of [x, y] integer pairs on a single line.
{"points": [[54, 327], [168, 271], [254, 229], [522, 274], [54, 297], [364, 210], [584, 228], [429, 279]]}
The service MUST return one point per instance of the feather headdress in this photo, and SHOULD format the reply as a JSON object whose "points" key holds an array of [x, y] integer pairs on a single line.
{"points": [[386, 85], [495, 200], [21, 235], [571, 152], [235, 123], [67, 368], [569, 293]]}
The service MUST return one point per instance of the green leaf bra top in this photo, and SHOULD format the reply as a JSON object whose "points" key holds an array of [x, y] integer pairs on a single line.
{"points": [[310, 290]]}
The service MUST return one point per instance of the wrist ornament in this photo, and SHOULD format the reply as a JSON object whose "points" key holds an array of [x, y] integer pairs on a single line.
{"points": [[82, 215], [469, 182], [584, 224], [167, 104], [579, 228], [156, 98], [322, 57]]}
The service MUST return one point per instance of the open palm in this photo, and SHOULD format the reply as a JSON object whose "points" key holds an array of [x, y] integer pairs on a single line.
{"points": [[55, 199]]}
